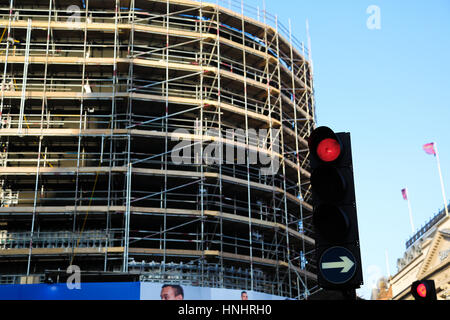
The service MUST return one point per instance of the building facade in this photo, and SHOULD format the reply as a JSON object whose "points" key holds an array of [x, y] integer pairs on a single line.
{"points": [[133, 138], [426, 258]]}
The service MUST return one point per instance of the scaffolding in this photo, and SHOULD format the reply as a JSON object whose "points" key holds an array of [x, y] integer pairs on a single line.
{"points": [[95, 99]]}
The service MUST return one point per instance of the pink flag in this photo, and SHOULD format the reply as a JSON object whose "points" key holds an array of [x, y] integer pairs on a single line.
{"points": [[429, 148], [405, 194]]}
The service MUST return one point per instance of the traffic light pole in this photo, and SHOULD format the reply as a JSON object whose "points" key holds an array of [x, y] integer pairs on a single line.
{"points": [[334, 295], [349, 294]]}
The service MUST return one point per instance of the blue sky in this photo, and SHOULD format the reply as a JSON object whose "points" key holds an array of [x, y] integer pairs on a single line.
{"points": [[390, 88]]}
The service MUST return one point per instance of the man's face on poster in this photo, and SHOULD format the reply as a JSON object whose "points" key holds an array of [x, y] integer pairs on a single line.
{"points": [[169, 293]]}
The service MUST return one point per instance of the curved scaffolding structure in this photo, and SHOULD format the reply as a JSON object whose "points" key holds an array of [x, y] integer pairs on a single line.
{"points": [[96, 100]]}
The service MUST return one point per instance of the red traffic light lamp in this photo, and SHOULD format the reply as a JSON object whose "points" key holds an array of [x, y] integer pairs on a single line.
{"points": [[424, 290], [325, 145], [328, 150]]}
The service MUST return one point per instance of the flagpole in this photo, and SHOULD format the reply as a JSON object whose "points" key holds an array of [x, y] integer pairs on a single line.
{"points": [[387, 264], [413, 229], [442, 180]]}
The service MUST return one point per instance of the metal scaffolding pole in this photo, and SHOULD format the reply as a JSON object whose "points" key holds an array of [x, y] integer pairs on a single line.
{"points": [[25, 77], [6, 55], [202, 169], [80, 129], [283, 162], [297, 149], [247, 143], [221, 159], [38, 165]]}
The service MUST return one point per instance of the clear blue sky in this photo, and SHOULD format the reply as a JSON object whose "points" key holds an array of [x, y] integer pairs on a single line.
{"points": [[391, 89]]}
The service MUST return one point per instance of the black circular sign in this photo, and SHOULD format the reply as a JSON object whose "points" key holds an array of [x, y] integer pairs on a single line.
{"points": [[337, 265]]}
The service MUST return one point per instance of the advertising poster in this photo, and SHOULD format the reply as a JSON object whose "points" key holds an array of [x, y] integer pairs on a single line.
{"points": [[155, 291]]}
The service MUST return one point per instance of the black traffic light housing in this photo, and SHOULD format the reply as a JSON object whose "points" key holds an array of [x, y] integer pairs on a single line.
{"points": [[334, 218], [424, 290]]}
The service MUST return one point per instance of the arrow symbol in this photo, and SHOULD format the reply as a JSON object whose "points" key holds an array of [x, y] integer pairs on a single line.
{"points": [[345, 264]]}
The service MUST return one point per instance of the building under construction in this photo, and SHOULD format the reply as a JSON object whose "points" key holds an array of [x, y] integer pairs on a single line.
{"points": [[95, 99]]}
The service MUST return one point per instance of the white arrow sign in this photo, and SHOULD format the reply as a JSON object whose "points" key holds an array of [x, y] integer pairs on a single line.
{"points": [[345, 264]]}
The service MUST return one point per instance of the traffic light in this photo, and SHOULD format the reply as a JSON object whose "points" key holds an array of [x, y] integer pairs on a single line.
{"points": [[424, 290], [334, 218]]}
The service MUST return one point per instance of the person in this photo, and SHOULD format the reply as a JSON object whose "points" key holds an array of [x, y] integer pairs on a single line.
{"points": [[244, 295], [172, 292]]}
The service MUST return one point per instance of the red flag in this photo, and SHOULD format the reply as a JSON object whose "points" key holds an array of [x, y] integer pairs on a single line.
{"points": [[405, 194], [429, 148]]}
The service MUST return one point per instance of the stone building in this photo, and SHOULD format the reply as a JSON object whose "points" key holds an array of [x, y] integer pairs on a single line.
{"points": [[426, 258]]}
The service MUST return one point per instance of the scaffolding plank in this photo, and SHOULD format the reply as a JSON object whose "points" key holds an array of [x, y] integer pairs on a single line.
{"points": [[59, 251]]}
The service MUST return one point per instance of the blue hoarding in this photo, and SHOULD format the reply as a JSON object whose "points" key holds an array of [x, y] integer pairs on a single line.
{"points": [[60, 291]]}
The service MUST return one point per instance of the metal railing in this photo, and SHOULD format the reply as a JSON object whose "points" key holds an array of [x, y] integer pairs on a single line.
{"points": [[427, 227], [60, 239]]}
